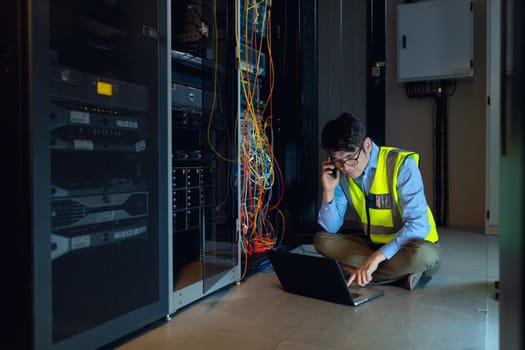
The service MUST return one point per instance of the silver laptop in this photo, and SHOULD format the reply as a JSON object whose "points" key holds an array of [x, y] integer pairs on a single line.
{"points": [[317, 277]]}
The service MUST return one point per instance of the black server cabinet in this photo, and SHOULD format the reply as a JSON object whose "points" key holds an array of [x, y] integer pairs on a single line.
{"points": [[296, 113], [90, 106]]}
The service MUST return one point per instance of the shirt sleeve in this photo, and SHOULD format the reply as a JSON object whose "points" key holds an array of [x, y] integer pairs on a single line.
{"points": [[331, 215], [413, 208]]}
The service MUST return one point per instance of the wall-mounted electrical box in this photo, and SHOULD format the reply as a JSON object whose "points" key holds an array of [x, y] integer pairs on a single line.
{"points": [[435, 40]]}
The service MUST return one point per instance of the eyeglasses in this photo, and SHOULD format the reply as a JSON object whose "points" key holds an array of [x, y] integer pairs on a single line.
{"points": [[351, 160]]}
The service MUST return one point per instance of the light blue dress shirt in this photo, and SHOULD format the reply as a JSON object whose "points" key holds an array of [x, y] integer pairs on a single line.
{"points": [[411, 199]]}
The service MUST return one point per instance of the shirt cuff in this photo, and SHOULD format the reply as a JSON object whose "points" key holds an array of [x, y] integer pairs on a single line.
{"points": [[325, 218], [326, 206], [390, 249]]}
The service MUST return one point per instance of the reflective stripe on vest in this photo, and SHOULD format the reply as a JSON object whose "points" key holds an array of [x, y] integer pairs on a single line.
{"points": [[379, 212]]}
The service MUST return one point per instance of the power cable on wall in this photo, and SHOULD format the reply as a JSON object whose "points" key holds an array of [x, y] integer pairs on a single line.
{"points": [[439, 91]]}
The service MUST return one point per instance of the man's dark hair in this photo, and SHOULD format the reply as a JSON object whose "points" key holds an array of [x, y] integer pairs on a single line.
{"points": [[344, 133]]}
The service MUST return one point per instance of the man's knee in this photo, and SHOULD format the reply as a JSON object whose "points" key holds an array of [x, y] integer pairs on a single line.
{"points": [[320, 240], [426, 256]]}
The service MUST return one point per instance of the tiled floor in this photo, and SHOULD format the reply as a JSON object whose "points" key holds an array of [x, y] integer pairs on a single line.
{"points": [[456, 310]]}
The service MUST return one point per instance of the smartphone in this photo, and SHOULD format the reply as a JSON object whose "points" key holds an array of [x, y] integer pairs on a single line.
{"points": [[333, 172]]}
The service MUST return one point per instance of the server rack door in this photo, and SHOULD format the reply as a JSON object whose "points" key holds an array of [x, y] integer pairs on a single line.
{"points": [[97, 91], [205, 248], [220, 243]]}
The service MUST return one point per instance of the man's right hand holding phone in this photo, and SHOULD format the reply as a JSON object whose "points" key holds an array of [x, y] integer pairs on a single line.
{"points": [[329, 180]]}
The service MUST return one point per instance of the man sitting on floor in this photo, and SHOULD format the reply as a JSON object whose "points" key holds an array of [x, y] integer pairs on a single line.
{"points": [[382, 189]]}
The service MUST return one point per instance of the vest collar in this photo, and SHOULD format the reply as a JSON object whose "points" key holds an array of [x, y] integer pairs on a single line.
{"points": [[372, 162]]}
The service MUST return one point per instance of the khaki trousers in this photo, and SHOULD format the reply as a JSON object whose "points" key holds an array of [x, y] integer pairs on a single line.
{"points": [[414, 256]]}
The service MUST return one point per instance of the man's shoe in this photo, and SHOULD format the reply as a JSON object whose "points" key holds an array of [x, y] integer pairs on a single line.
{"points": [[411, 280]]}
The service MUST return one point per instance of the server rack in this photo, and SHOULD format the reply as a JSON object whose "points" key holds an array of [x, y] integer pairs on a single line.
{"points": [[296, 106], [90, 105], [205, 247]]}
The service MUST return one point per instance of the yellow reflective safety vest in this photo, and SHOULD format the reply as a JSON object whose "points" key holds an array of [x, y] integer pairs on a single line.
{"points": [[379, 211]]}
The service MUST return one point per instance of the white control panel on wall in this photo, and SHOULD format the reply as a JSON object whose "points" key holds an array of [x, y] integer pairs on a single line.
{"points": [[435, 40]]}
